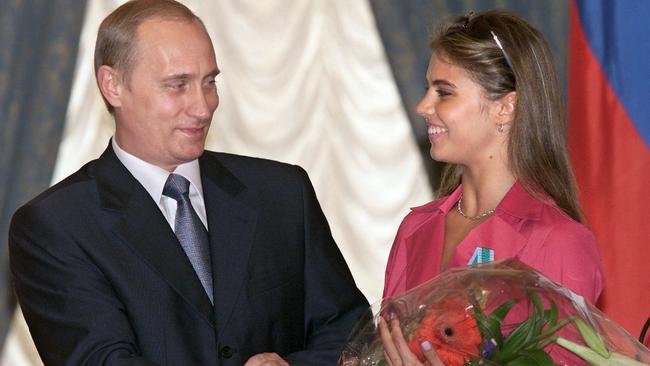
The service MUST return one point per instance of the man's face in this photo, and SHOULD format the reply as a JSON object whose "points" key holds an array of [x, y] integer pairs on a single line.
{"points": [[165, 107]]}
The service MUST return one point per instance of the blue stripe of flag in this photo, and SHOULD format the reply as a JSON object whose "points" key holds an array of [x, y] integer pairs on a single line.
{"points": [[619, 35]]}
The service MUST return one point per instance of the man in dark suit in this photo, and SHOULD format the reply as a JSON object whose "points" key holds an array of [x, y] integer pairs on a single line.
{"points": [[161, 253]]}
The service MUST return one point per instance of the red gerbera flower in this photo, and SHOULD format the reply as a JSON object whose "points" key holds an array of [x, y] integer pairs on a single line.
{"points": [[451, 329]]}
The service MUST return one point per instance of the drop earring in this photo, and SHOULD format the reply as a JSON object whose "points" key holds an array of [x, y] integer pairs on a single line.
{"points": [[500, 128]]}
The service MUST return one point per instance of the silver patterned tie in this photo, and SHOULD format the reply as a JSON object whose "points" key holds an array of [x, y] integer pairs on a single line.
{"points": [[190, 230]]}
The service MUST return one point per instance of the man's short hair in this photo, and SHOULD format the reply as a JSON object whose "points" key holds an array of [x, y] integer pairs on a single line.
{"points": [[116, 44]]}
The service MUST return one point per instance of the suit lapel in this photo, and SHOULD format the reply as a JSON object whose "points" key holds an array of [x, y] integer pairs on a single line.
{"points": [[140, 224], [232, 219]]}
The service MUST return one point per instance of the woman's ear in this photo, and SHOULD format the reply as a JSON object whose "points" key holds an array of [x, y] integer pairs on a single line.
{"points": [[507, 105], [110, 85], [505, 112]]}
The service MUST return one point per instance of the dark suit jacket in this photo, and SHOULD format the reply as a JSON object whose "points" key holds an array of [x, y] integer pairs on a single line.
{"points": [[102, 279]]}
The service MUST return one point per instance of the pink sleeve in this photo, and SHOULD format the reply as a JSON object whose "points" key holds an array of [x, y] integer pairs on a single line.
{"points": [[568, 254]]}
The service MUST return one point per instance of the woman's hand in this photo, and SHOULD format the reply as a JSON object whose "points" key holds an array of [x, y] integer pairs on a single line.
{"points": [[396, 350]]}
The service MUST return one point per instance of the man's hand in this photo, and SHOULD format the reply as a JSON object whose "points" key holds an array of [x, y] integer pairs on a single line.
{"points": [[266, 359]]}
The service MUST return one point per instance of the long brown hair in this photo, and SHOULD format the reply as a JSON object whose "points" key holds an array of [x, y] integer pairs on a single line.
{"points": [[537, 149]]}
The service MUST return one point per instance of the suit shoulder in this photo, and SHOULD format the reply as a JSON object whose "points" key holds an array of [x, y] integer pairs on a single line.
{"points": [[229, 158], [254, 167], [57, 194]]}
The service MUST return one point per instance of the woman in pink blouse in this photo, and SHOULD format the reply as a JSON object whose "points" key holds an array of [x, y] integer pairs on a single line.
{"points": [[494, 115]]}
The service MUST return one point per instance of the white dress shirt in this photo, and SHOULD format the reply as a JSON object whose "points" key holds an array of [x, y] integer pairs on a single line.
{"points": [[153, 179]]}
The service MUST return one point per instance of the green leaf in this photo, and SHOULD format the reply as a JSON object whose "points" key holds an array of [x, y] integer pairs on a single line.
{"points": [[592, 338], [536, 358], [517, 339], [501, 312], [551, 314], [550, 331], [488, 327], [539, 310], [537, 301]]}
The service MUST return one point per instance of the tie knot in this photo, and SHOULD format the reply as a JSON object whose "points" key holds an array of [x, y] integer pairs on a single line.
{"points": [[176, 186]]}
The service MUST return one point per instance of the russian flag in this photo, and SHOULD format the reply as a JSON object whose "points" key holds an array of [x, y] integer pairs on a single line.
{"points": [[609, 140]]}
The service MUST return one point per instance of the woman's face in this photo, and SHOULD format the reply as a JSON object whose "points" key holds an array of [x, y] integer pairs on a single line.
{"points": [[462, 122]]}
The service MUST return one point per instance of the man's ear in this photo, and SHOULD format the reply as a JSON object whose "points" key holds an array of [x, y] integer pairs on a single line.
{"points": [[110, 85]]}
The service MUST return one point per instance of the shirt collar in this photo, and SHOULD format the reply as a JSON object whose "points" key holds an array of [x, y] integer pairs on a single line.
{"points": [[442, 204], [153, 177], [521, 203], [191, 172]]}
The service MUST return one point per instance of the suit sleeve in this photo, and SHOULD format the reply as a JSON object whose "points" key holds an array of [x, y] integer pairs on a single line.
{"points": [[79, 318], [333, 303]]}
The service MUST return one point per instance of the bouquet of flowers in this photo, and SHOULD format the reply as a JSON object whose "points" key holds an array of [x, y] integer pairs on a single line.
{"points": [[502, 313]]}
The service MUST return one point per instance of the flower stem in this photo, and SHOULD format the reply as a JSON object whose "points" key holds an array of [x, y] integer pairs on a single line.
{"points": [[594, 359]]}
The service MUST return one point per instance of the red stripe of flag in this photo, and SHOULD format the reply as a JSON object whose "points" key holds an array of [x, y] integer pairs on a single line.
{"points": [[612, 166]]}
